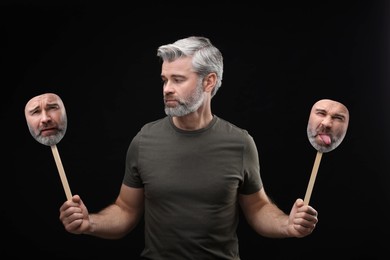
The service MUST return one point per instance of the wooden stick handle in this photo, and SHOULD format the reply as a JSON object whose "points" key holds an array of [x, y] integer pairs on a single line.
{"points": [[312, 177], [61, 171]]}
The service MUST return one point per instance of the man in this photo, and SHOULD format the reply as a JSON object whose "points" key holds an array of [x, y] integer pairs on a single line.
{"points": [[46, 118], [328, 124], [188, 173]]}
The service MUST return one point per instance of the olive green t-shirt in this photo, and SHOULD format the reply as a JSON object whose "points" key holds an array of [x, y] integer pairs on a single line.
{"points": [[191, 181]]}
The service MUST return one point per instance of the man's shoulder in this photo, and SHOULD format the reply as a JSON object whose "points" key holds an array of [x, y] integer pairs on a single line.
{"points": [[156, 124], [229, 126]]}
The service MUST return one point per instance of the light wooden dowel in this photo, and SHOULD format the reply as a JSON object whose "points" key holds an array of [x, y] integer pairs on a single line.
{"points": [[61, 171], [312, 177]]}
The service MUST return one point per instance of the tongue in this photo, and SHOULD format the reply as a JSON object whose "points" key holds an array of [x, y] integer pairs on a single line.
{"points": [[325, 138]]}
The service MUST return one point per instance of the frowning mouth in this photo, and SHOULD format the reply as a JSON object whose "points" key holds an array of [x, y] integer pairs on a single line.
{"points": [[49, 131]]}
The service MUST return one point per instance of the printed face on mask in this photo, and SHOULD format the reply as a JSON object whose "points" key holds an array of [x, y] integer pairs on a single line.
{"points": [[46, 118], [328, 124]]}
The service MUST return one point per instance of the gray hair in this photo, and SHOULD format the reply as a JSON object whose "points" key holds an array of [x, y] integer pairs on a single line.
{"points": [[206, 58]]}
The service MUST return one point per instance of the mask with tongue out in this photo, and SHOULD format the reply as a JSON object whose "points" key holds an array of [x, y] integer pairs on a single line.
{"points": [[328, 118], [327, 125]]}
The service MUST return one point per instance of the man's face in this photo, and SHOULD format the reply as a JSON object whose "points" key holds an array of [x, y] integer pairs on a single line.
{"points": [[46, 118], [328, 124], [183, 89]]}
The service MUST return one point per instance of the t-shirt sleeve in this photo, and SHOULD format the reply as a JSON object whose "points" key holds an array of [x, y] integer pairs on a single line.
{"points": [[252, 180], [132, 177]]}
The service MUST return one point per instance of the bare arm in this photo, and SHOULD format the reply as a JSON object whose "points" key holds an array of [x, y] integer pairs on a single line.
{"points": [[112, 222], [268, 220]]}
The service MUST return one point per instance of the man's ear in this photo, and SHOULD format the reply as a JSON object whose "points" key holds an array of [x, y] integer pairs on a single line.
{"points": [[209, 82]]}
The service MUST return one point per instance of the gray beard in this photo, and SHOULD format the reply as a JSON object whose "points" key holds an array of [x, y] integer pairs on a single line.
{"points": [[50, 140], [188, 106], [323, 149]]}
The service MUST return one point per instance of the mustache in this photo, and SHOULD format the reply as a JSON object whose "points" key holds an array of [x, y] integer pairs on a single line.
{"points": [[167, 98], [323, 130]]}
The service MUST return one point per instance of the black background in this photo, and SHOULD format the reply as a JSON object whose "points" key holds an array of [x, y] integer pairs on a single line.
{"points": [[279, 60]]}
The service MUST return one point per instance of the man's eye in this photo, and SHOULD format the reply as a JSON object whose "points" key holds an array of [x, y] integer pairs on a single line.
{"points": [[339, 118], [54, 107], [178, 80]]}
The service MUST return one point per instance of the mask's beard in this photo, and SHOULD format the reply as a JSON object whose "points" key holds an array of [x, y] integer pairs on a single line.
{"points": [[335, 140], [51, 139]]}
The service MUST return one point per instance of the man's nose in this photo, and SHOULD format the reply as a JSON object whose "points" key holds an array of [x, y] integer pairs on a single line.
{"points": [[45, 117], [168, 88], [327, 121]]}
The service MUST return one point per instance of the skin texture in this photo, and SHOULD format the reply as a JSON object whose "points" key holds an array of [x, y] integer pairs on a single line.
{"points": [[187, 97], [328, 124], [46, 118]]}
